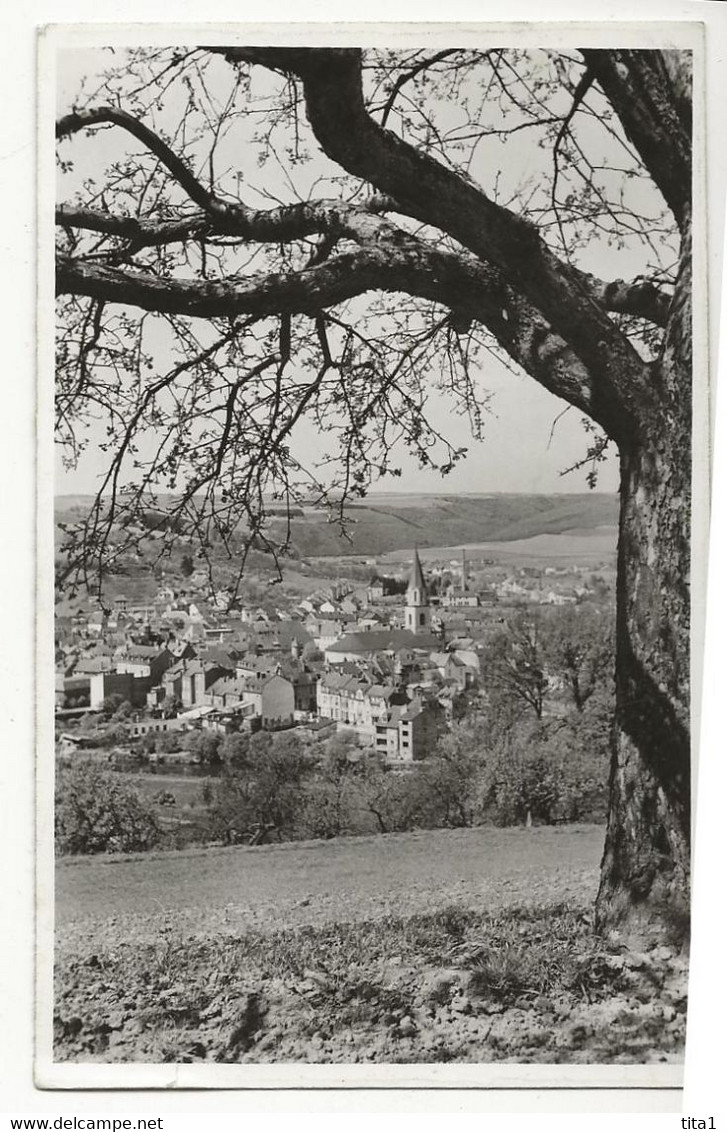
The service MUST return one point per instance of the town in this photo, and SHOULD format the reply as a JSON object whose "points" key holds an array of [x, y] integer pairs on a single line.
{"points": [[393, 661]]}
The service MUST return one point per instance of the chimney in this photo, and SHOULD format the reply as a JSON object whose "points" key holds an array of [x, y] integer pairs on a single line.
{"points": [[464, 571]]}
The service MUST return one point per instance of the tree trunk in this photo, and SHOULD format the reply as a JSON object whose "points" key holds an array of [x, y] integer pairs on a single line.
{"points": [[644, 891]]}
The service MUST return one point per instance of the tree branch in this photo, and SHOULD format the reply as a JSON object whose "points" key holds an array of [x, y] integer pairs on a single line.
{"points": [[437, 196], [335, 219], [388, 260], [275, 225], [407, 76], [140, 232], [651, 93], [111, 115]]}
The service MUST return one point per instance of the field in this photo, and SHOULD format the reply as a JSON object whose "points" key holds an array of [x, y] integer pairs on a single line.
{"points": [[567, 548], [319, 881], [466, 945]]}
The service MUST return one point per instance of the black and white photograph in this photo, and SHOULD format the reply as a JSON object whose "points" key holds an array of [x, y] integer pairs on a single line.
{"points": [[379, 512]]}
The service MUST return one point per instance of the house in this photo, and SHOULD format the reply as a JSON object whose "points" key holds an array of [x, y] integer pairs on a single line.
{"points": [[71, 744], [304, 687], [197, 677], [182, 650], [450, 668], [326, 632], [253, 616], [408, 732], [471, 661], [132, 688], [455, 600], [355, 646], [89, 666], [225, 657], [156, 726], [225, 691], [255, 665], [380, 588], [291, 633], [270, 697], [273, 699], [355, 703], [72, 691], [145, 661], [96, 622]]}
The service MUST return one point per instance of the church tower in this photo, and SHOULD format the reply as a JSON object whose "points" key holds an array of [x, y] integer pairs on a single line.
{"points": [[417, 614]]}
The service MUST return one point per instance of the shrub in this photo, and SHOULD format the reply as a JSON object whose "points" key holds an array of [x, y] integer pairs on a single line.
{"points": [[556, 771], [95, 812], [398, 802], [326, 807], [261, 787], [204, 745], [167, 742]]}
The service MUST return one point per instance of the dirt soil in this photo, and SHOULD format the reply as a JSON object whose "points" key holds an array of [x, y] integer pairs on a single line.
{"points": [[317, 882], [470, 946]]}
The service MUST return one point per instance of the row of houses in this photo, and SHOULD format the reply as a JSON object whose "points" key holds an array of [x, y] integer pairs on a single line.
{"points": [[393, 683]]}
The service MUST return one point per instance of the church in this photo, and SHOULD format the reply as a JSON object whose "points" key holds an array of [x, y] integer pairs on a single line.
{"points": [[417, 616], [416, 635]]}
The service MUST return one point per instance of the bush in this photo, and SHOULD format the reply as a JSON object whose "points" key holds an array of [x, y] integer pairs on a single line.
{"points": [[397, 801], [556, 771], [261, 787], [523, 784], [97, 813], [326, 808], [203, 745], [167, 742]]}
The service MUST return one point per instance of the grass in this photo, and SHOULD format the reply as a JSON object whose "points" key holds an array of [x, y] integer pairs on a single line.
{"points": [[473, 945], [451, 985]]}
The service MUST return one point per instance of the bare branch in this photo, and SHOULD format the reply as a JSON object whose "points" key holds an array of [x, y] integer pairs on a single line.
{"points": [[429, 192], [407, 76], [111, 115], [652, 97], [393, 261]]}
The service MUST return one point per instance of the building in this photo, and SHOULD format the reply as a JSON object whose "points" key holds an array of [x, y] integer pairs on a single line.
{"points": [[271, 698], [364, 646], [133, 689], [417, 615], [451, 668], [355, 703], [408, 732], [454, 600], [145, 662], [197, 677]]}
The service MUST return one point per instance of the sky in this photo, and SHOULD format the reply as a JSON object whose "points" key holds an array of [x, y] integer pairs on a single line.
{"points": [[530, 436]]}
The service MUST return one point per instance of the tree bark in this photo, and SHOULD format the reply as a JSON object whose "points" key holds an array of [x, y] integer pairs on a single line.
{"points": [[644, 889]]}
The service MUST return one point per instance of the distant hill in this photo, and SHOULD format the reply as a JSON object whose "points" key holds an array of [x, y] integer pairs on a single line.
{"points": [[384, 523], [388, 522]]}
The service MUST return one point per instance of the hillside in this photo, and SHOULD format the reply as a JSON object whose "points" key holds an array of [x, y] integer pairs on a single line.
{"points": [[469, 945], [388, 522]]}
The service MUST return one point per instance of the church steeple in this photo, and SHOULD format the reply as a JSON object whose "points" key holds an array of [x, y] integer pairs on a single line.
{"points": [[417, 614]]}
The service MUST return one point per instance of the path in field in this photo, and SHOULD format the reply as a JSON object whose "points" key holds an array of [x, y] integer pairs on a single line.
{"points": [[313, 882]]}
